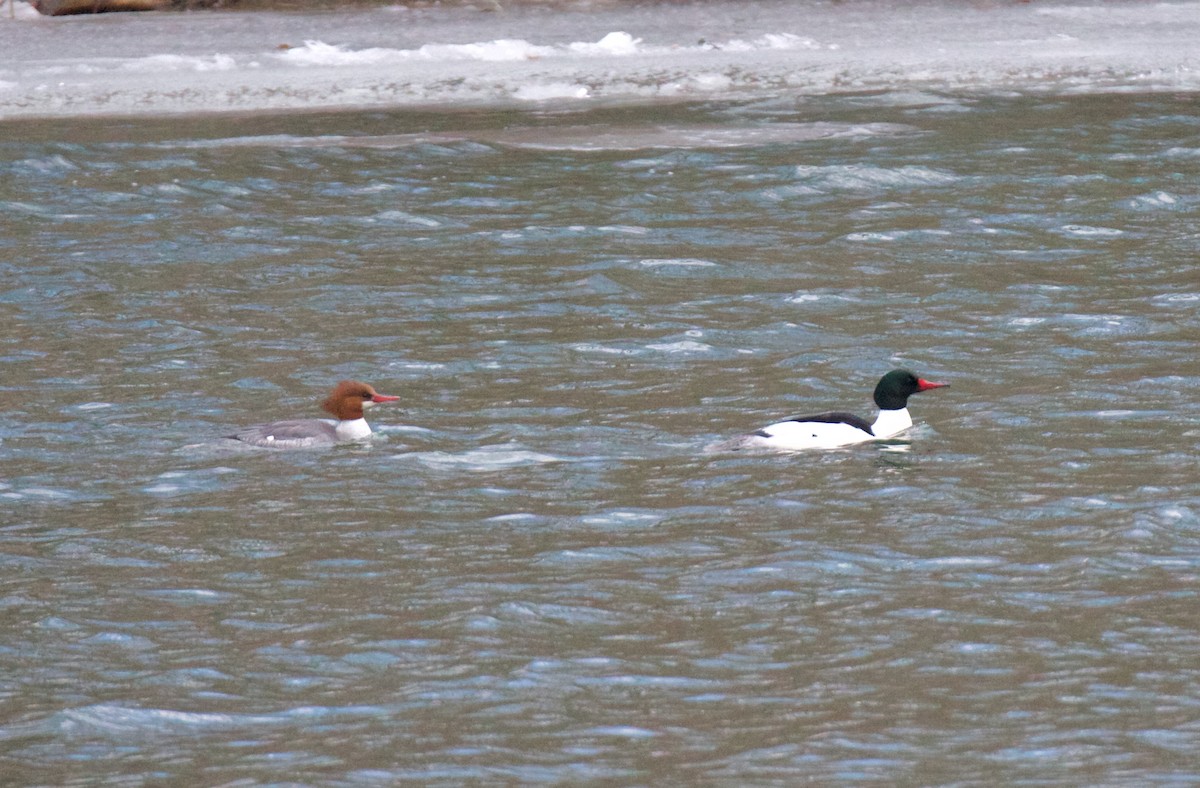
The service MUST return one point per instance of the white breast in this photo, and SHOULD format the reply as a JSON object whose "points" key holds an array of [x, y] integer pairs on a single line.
{"points": [[891, 423], [352, 429]]}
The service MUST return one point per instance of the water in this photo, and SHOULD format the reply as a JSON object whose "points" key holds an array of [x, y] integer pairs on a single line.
{"points": [[536, 574]]}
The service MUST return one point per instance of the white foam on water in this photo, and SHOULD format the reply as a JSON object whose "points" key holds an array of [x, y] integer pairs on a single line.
{"points": [[683, 346], [1086, 231], [684, 262], [867, 177], [483, 459]]}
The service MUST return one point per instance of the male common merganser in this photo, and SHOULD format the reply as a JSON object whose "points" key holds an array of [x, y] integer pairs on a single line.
{"points": [[834, 429], [347, 402]]}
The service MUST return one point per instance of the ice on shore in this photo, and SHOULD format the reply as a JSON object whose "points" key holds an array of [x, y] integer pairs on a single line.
{"points": [[213, 61]]}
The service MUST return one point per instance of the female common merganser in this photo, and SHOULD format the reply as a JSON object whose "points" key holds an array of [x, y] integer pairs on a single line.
{"points": [[347, 402], [834, 429]]}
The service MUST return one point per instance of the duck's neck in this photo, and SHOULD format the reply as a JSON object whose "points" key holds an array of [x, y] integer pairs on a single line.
{"points": [[891, 422], [352, 429]]}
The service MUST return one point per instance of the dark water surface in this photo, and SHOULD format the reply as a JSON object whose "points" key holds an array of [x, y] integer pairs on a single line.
{"points": [[536, 574]]}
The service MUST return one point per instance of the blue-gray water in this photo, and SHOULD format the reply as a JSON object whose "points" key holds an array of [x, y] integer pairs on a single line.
{"points": [[536, 574]]}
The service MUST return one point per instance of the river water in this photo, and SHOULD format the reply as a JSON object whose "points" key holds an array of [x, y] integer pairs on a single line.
{"points": [[536, 573]]}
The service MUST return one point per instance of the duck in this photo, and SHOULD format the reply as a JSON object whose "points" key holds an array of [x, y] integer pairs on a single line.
{"points": [[835, 429], [347, 404]]}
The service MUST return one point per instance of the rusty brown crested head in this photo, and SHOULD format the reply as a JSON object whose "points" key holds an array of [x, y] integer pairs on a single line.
{"points": [[351, 397]]}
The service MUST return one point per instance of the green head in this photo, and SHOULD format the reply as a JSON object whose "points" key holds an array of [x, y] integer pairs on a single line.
{"points": [[894, 389]]}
